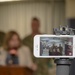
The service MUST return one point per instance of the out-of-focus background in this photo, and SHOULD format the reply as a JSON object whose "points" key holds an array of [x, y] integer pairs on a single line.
{"points": [[17, 15]]}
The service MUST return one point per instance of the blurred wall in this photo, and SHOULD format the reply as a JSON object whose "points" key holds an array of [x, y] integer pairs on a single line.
{"points": [[70, 9], [17, 16]]}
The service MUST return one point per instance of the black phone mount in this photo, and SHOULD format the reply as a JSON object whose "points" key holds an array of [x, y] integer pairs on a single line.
{"points": [[63, 64]]}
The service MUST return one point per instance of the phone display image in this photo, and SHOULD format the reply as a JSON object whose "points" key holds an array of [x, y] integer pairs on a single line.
{"points": [[56, 46]]}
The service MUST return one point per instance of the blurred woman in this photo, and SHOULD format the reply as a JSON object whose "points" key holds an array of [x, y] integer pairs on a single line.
{"points": [[18, 55]]}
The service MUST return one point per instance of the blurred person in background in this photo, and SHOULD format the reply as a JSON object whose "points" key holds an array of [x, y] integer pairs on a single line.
{"points": [[2, 52], [35, 25], [17, 54], [2, 35], [41, 63]]}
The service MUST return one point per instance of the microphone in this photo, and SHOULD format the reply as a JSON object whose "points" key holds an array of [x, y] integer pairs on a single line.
{"points": [[12, 57]]}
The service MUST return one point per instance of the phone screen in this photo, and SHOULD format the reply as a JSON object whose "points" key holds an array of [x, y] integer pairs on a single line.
{"points": [[56, 46]]}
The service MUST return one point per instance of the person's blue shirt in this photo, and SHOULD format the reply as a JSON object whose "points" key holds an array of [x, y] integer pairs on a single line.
{"points": [[12, 59]]}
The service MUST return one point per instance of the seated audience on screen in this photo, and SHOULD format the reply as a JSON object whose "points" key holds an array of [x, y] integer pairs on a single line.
{"points": [[17, 54]]}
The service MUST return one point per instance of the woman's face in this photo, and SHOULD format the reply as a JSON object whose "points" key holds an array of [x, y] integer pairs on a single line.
{"points": [[14, 42]]}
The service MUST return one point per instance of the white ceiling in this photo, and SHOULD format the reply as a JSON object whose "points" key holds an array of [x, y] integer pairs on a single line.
{"points": [[28, 0]]}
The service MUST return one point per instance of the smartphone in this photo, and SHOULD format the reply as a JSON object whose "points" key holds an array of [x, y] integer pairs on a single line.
{"points": [[54, 46]]}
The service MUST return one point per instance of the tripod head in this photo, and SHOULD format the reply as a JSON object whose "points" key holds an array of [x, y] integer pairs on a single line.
{"points": [[63, 30]]}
